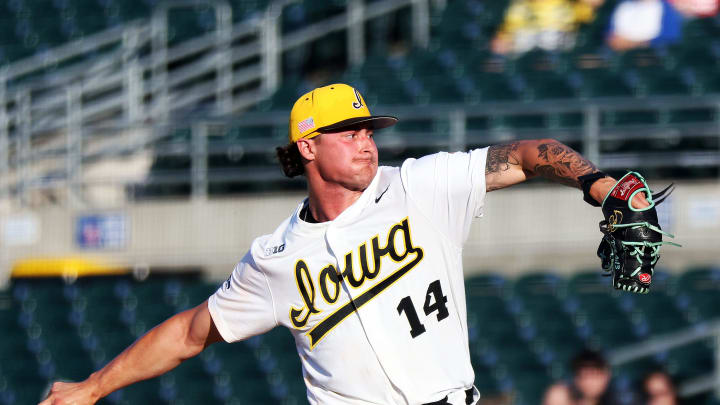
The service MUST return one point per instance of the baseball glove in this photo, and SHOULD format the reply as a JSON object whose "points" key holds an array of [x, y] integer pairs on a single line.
{"points": [[632, 237]]}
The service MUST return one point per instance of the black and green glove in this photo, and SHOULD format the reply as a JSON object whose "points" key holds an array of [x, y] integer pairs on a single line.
{"points": [[632, 237]]}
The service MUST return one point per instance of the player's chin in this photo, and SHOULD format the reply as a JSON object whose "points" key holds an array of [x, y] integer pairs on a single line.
{"points": [[363, 177]]}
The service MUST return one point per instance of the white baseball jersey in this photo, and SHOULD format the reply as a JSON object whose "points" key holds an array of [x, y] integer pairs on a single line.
{"points": [[374, 298]]}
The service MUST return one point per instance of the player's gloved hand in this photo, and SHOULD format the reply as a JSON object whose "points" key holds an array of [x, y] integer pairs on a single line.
{"points": [[632, 237]]}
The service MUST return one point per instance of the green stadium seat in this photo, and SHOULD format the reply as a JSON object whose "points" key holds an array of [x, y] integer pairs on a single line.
{"points": [[691, 54], [692, 360], [697, 30], [565, 120], [484, 380], [692, 115], [102, 316], [702, 291], [71, 361], [609, 327], [490, 79], [144, 392], [659, 308], [128, 11], [628, 117], [602, 82], [540, 291], [636, 369], [530, 386], [486, 293], [241, 373], [184, 24], [306, 12], [707, 80], [189, 382]]}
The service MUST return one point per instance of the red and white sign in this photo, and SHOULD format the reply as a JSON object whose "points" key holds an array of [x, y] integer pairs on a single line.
{"points": [[644, 278]]}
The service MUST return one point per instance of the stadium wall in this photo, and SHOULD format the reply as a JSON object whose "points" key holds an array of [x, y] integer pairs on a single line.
{"points": [[532, 226]]}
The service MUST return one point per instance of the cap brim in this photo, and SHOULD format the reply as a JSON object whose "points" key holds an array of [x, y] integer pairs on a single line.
{"points": [[373, 122]]}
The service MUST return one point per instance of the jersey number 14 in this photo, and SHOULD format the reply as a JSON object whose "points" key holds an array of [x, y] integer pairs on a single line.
{"points": [[434, 301]]}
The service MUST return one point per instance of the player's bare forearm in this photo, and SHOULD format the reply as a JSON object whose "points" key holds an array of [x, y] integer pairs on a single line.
{"points": [[514, 162], [158, 351]]}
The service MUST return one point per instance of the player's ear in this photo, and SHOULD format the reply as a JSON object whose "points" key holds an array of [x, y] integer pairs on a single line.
{"points": [[307, 148]]}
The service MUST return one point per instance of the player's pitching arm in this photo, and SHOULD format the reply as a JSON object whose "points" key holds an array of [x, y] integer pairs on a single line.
{"points": [[161, 349], [515, 162]]}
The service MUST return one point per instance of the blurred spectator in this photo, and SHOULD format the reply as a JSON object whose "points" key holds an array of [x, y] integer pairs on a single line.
{"points": [[697, 8], [659, 389], [644, 23], [589, 385], [546, 24]]}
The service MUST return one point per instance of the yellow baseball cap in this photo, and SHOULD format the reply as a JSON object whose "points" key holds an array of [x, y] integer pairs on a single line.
{"points": [[331, 108]]}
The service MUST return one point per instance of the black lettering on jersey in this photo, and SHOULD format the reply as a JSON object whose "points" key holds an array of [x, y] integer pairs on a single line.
{"points": [[364, 261], [330, 281], [321, 329], [307, 291], [330, 275]]}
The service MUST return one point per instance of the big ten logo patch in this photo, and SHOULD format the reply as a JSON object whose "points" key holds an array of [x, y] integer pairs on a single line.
{"points": [[275, 249]]}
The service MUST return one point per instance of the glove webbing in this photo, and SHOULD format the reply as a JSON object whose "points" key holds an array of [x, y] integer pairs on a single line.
{"points": [[637, 249]]}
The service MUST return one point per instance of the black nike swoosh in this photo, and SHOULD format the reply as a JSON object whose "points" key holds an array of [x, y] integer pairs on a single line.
{"points": [[377, 200]]}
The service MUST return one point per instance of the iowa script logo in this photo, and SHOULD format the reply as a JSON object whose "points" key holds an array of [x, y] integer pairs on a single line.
{"points": [[329, 280]]}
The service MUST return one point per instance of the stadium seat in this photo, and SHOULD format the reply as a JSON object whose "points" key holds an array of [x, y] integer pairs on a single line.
{"points": [[238, 364], [692, 360], [144, 392], [484, 379], [702, 289], [540, 75], [306, 12], [490, 80], [707, 80], [189, 383], [636, 369]]}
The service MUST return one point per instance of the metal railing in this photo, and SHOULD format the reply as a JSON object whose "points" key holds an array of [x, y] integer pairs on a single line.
{"points": [[135, 90], [663, 343], [437, 127], [130, 75]]}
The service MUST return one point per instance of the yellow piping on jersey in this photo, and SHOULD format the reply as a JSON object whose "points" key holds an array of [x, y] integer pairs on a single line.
{"points": [[306, 287]]}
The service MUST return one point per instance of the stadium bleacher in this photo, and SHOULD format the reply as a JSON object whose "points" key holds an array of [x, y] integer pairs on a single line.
{"points": [[459, 68], [522, 333]]}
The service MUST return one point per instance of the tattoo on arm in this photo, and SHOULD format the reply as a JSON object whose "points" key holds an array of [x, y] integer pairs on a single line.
{"points": [[502, 160], [561, 163], [500, 157]]}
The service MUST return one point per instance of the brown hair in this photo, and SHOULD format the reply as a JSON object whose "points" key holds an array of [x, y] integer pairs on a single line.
{"points": [[290, 160]]}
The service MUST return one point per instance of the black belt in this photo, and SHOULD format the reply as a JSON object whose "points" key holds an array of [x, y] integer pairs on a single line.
{"points": [[468, 398]]}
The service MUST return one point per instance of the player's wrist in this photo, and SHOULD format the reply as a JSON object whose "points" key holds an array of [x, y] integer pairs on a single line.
{"points": [[600, 188], [592, 191], [94, 386]]}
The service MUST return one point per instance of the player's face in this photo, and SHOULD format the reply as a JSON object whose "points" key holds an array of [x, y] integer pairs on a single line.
{"points": [[349, 158]]}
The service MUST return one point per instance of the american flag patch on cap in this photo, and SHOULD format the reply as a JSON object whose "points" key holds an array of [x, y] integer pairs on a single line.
{"points": [[306, 124]]}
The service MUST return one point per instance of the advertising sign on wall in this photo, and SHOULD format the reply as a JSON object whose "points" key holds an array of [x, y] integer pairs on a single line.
{"points": [[101, 231]]}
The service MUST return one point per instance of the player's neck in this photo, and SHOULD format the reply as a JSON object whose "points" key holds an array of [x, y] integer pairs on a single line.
{"points": [[328, 200]]}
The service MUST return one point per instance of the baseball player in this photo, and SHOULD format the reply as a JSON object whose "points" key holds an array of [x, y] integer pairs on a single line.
{"points": [[367, 271]]}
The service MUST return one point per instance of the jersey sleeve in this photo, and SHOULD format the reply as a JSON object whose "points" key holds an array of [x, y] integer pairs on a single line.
{"points": [[243, 306], [449, 188]]}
